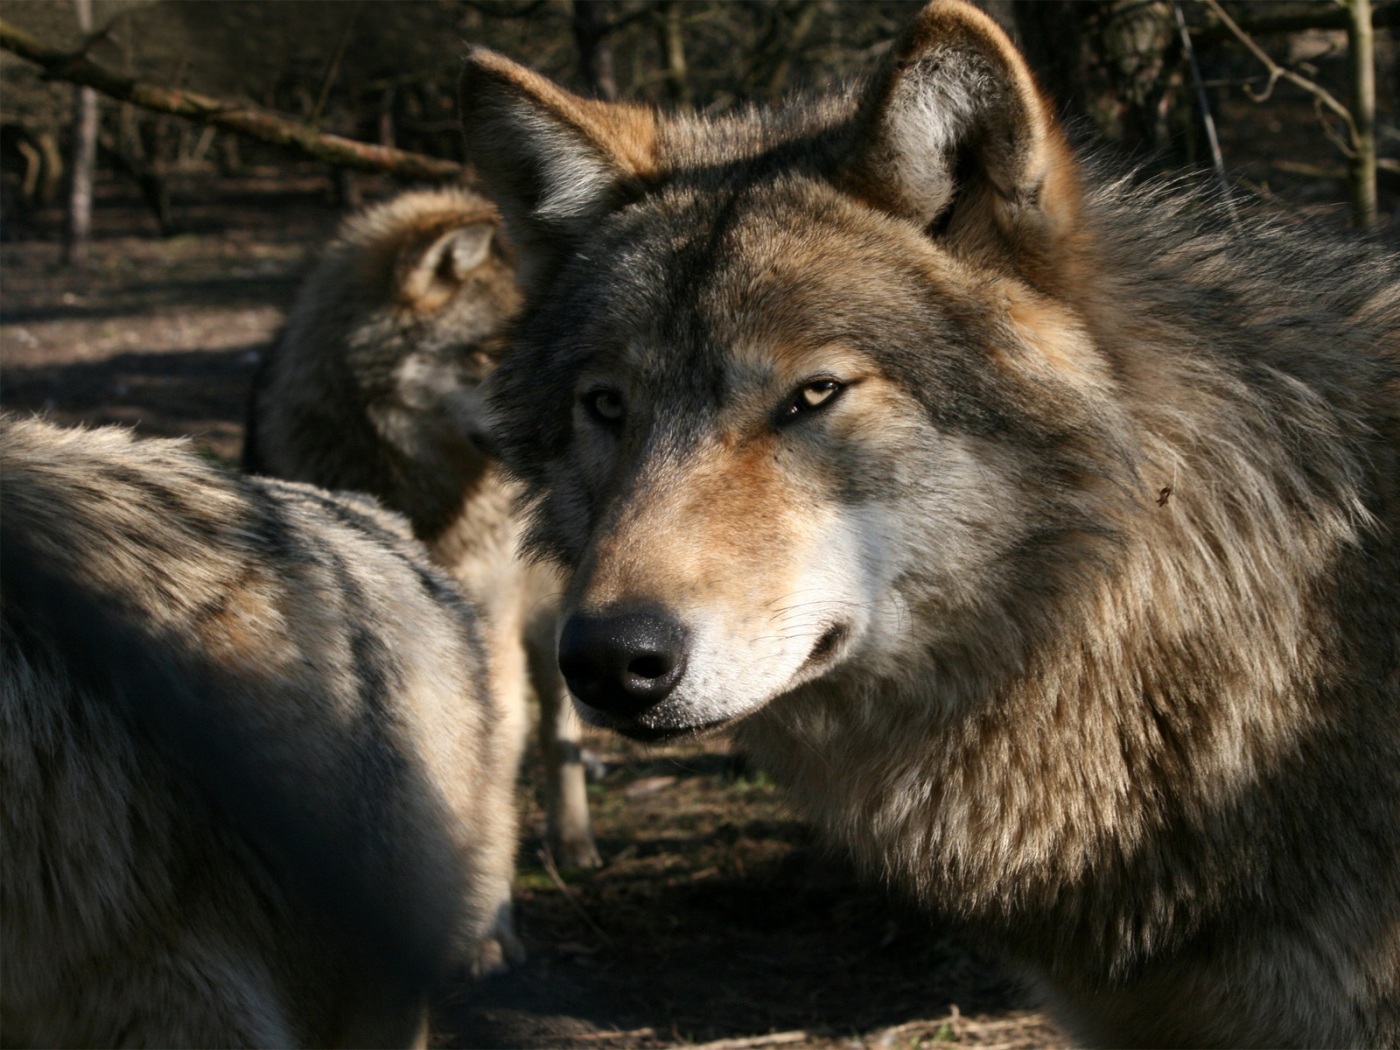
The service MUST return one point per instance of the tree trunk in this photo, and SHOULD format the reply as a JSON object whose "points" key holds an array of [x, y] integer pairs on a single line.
{"points": [[79, 221], [1361, 57], [1113, 62]]}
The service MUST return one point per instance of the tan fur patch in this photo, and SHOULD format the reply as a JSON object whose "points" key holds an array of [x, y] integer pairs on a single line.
{"points": [[244, 630], [728, 499]]}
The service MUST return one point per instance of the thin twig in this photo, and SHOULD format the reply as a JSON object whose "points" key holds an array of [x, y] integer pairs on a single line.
{"points": [[1386, 16], [754, 1042], [333, 70], [632, 1033], [1278, 72], [1203, 100]]}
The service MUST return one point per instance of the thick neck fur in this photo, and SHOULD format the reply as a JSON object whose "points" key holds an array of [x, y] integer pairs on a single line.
{"points": [[1097, 775]]}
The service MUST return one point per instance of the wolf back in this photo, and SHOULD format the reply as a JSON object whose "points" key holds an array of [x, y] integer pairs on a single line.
{"points": [[1039, 528], [247, 734]]}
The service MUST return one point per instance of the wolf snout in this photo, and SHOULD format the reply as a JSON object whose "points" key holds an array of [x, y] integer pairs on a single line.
{"points": [[623, 661]]}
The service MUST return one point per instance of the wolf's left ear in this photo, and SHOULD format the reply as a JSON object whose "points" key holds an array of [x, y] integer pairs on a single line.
{"points": [[552, 161], [955, 135]]}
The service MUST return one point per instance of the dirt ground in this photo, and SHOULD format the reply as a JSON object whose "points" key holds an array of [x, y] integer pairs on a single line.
{"points": [[716, 920]]}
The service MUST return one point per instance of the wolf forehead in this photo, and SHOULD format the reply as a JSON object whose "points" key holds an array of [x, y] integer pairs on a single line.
{"points": [[695, 296]]}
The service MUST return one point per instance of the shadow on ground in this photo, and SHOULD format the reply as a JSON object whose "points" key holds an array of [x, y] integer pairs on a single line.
{"points": [[170, 393], [717, 917]]}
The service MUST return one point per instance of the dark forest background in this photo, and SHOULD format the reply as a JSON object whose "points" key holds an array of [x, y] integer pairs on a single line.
{"points": [[1142, 74]]}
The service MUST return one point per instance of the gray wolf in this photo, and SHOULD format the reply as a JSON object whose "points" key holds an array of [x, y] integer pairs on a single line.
{"points": [[372, 387], [255, 788], [1039, 529]]}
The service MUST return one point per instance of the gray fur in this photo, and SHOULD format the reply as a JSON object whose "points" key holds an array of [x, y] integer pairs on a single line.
{"points": [[245, 760]]}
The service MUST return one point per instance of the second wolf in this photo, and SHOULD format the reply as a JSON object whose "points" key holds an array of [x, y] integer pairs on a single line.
{"points": [[371, 387], [254, 788]]}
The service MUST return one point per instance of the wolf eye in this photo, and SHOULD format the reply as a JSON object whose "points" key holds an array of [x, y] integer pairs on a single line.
{"points": [[810, 397], [604, 406]]}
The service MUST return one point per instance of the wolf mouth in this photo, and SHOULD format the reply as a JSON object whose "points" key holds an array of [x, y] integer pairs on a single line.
{"points": [[652, 734]]}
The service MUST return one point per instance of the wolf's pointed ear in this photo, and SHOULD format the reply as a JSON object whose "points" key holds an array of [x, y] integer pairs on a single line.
{"points": [[552, 161], [431, 269], [955, 135]]}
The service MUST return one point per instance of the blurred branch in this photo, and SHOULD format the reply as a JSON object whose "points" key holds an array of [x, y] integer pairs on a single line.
{"points": [[333, 70], [796, 38], [239, 117], [592, 27], [1321, 95], [1361, 57], [1203, 103], [1359, 144], [84, 156], [671, 42]]}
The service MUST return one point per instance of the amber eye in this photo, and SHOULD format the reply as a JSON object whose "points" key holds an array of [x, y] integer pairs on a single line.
{"points": [[604, 406], [810, 397]]}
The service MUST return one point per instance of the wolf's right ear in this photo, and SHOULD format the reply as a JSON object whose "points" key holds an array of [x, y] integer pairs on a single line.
{"points": [[552, 161]]}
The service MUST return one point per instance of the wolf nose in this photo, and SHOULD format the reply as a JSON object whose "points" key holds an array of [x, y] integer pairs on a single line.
{"points": [[622, 662]]}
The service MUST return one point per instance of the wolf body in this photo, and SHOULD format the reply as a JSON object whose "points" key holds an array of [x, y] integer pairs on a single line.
{"points": [[255, 788], [1040, 531], [372, 387]]}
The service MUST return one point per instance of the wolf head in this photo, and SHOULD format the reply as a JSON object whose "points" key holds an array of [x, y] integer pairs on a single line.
{"points": [[772, 368]]}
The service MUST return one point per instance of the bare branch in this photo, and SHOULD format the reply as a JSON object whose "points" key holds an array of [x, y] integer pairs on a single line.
{"points": [[1203, 102], [1359, 143], [796, 38], [1343, 146], [1383, 16], [1278, 72], [333, 70], [239, 117]]}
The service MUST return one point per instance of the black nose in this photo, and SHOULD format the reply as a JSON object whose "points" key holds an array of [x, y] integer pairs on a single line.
{"points": [[622, 661]]}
